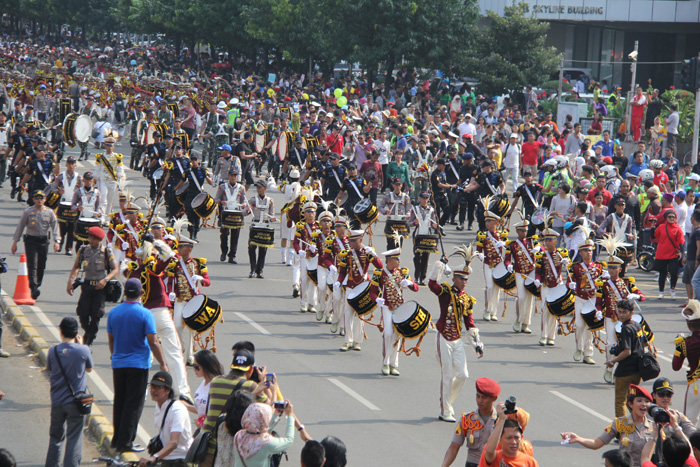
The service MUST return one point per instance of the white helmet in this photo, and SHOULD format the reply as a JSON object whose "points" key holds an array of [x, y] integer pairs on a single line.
{"points": [[656, 164], [646, 174], [609, 170], [562, 161]]}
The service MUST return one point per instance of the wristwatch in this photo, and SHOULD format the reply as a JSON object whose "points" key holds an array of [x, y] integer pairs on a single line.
{"points": [[155, 456]]}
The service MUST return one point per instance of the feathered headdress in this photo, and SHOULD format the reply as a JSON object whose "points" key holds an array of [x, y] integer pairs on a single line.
{"points": [[611, 244], [178, 225], [486, 203], [548, 232], [523, 218], [467, 253]]}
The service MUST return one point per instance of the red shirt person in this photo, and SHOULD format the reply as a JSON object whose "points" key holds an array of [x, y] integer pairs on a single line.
{"points": [[599, 187]]}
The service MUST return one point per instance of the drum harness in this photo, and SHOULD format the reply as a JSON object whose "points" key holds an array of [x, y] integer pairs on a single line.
{"points": [[500, 251], [90, 202], [562, 329], [68, 185], [232, 197], [597, 341]]}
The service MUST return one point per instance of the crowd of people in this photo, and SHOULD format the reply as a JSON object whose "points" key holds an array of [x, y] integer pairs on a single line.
{"points": [[341, 153]]}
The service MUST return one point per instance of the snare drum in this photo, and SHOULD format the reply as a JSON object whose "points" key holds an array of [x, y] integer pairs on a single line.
{"points": [[181, 194], [360, 300], [529, 284], [65, 213], [588, 314], [425, 244], [411, 320], [398, 224], [499, 205], [231, 219], [537, 218], [262, 235], [312, 269], [502, 278], [642, 322], [203, 205], [560, 301], [260, 142], [52, 200], [82, 227], [366, 211], [201, 313]]}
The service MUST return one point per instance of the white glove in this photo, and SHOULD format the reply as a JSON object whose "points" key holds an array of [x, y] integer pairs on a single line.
{"points": [[510, 268], [572, 286], [301, 253], [565, 261], [405, 283], [333, 269], [336, 285], [605, 275], [537, 283], [125, 246], [598, 315], [380, 302], [480, 256], [171, 296], [634, 296], [197, 278], [138, 251], [312, 249], [499, 244], [448, 271], [370, 251]]}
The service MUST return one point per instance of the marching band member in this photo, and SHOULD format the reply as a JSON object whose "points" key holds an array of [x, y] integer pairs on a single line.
{"points": [[425, 220], [263, 209], [611, 288], [456, 306], [305, 250], [185, 275], [291, 192], [230, 196], [356, 189], [550, 265], [520, 259], [196, 175], [395, 205], [352, 271], [39, 172], [134, 117], [92, 112], [491, 250], [130, 231], [322, 238], [155, 160], [65, 184], [110, 172], [688, 347], [340, 243], [387, 291], [584, 274], [86, 201], [332, 177]]}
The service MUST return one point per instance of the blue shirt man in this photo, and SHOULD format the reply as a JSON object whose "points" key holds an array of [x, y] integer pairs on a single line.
{"points": [[637, 165]]}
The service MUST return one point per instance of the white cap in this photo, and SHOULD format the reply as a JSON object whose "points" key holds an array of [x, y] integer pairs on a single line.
{"points": [[514, 135], [221, 105], [695, 177], [550, 162], [234, 101]]}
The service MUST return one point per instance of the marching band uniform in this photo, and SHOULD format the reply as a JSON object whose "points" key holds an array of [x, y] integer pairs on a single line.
{"points": [[549, 268], [395, 204], [583, 285], [67, 183], [490, 246], [354, 187], [333, 178], [290, 191], [184, 280], [124, 234], [389, 284], [352, 271], [456, 306], [197, 176], [425, 220], [231, 197], [88, 198], [688, 347], [305, 249], [339, 244], [134, 117], [155, 160], [520, 259], [108, 180], [325, 261], [263, 209]]}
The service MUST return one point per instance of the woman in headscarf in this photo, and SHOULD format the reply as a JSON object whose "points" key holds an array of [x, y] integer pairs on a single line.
{"points": [[253, 443]]}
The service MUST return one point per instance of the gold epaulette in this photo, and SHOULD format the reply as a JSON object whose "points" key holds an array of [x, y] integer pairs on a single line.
{"points": [[504, 233], [343, 253], [481, 235], [300, 225], [404, 272]]}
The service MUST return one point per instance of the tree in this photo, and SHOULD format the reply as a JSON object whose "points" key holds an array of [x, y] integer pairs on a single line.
{"points": [[510, 52]]}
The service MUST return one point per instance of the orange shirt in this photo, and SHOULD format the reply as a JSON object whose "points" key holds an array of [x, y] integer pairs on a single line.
{"points": [[520, 460]]}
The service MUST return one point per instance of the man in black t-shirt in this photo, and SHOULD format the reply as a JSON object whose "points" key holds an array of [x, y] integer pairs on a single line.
{"points": [[439, 185], [488, 183], [467, 201], [530, 193], [245, 153], [629, 351]]}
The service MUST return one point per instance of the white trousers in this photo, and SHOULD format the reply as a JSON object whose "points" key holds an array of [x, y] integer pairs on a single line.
{"points": [[391, 339], [108, 193], [172, 351], [453, 365], [354, 327], [525, 302], [340, 308], [549, 322], [185, 333], [325, 301], [692, 403], [610, 338], [296, 268], [492, 292], [308, 288], [584, 336]]}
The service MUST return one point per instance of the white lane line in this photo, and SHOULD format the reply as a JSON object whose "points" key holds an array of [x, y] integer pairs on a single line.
{"points": [[259, 328], [354, 395], [94, 377], [581, 406]]}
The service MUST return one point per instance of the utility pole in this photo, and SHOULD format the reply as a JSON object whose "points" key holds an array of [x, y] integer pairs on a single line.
{"points": [[696, 124], [561, 78], [632, 56]]}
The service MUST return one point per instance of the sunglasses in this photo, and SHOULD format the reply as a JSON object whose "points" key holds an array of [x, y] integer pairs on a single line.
{"points": [[664, 394]]}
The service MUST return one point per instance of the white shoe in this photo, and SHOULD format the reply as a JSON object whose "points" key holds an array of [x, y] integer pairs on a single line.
{"points": [[342, 331], [447, 418], [673, 294], [346, 347], [661, 295], [517, 326], [334, 328], [494, 317], [302, 309], [319, 315], [394, 371], [588, 360], [526, 329], [608, 376], [487, 316], [577, 356], [385, 370]]}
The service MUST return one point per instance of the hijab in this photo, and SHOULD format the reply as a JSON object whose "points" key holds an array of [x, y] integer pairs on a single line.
{"points": [[253, 436]]}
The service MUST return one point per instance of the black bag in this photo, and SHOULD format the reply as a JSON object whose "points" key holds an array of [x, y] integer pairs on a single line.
{"points": [[3, 266], [82, 400], [113, 291], [155, 444], [648, 366]]}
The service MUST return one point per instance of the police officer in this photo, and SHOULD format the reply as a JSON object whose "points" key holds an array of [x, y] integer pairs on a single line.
{"points": [[467, 201], [487, 183], [98, 266], [39, 221]]}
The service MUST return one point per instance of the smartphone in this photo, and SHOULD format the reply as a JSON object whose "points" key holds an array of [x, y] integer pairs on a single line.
{"points": [[280, 405], [269, 378]]}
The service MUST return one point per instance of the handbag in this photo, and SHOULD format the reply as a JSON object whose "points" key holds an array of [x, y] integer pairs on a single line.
{"points": [[648, 366], [156, 444], [82, 400], [96, 133]]}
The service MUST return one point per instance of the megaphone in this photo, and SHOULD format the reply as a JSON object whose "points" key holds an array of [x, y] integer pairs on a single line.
{"points": [[633, 56]]}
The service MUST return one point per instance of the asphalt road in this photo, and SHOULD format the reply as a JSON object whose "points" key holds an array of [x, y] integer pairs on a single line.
{"points": [[390, 421]]}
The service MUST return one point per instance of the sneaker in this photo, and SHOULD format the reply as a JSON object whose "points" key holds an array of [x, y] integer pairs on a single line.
{"points": [[303, 309], [346, 347], [311, 309], [661, 295], [516, 327], [469, 227], [342, 331], [260, 275], [4, 354], [252, 274], [447, 418], [334, 328], [526, 329], [494, 317], [577, 356], [232, 261], [394, 371], [385, 370], [460, 227], [329, 320], [673, 294], [69, 252], [588, 360]]}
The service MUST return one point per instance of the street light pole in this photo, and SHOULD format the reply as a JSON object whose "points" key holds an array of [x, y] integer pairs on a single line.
{"points": [[630, 94]]}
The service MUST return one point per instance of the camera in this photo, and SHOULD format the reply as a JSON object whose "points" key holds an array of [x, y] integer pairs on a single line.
{"points": [[658, 414], [510, 406], [280, 405], [615, 350]]}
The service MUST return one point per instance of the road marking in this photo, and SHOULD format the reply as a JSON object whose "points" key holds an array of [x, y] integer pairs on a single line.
{"points": [[260, 329], [94, 377], [354, 395], [581, 406]]}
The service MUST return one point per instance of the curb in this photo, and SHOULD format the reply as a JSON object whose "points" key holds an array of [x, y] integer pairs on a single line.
{"points": [[98, 425]]}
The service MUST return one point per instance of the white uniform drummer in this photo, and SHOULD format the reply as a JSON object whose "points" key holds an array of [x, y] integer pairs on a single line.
{"points": [[106, 183], [324, 250], [66, 183], [86, 201], [491, 248], [290, 191], [305, 249], [397, 206], [340, 244], [387, 291]]}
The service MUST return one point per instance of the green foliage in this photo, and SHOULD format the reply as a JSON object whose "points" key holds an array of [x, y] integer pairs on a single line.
{"points": [[553, 85], [686, 112], [511, 52]]}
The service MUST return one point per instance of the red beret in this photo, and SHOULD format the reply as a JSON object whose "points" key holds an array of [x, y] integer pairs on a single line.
{"points": [[96, 232], [608, 159], [488, 387], [638, 391]]}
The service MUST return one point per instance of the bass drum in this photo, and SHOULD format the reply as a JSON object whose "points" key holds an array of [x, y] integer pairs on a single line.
{"points": [[52, 200], [82, 129], [366, 211], [312, 269], [82, 227], [260, 142], [360, 300], [201, 313], [588, 314], [69, 129], [411, 320], [65, 213], [262, 235], [529, 284], [537, 218], [642, 322], [502, 278], [560, 301], [425, 244], [203, 205]]}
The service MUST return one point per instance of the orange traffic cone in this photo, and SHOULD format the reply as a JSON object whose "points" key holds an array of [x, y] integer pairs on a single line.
{"points": [[22, 294]]}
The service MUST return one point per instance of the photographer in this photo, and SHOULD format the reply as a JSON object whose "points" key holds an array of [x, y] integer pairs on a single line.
{"points": [[627, 353], [633, 429], [663, 395], [675, 450], [509, 434]]}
